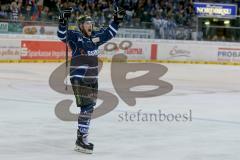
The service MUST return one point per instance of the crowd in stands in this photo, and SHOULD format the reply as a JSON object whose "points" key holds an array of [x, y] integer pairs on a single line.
{"points": [[165, 16], [28, 10]]}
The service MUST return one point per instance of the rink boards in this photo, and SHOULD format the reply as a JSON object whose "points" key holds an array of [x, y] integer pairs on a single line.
{"points": [[22, 48]]}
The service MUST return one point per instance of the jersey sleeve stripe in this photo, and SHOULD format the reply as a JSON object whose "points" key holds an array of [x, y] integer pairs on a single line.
{"points": [[82, 125], [111, 33], [81, 76], [62, 32], [62, 38], [83, 67], [113, 29]]}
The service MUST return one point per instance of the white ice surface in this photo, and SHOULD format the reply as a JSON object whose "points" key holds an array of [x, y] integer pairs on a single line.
{"points": [[29, 129]]}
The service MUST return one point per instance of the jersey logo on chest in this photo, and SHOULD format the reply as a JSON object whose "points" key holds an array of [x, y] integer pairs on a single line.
{"points": [[93, 53]]}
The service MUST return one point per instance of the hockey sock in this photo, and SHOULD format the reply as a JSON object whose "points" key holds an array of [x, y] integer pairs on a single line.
{"points": [[84, 119]]}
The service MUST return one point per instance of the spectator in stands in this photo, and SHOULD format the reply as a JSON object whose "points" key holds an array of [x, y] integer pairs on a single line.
{"points": [[14, 11], [128, 5], [3, 10], [45, 14], [157, 24], [39, 8]]}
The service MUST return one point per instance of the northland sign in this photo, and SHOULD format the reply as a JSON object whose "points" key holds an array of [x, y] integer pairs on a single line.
{"points": [[215, 10]]}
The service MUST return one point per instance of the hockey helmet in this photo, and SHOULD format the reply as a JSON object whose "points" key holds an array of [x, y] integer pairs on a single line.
{"points": [[84, 18]]}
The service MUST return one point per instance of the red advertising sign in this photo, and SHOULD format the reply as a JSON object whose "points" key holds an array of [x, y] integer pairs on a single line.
{"points": [[43, 50]]}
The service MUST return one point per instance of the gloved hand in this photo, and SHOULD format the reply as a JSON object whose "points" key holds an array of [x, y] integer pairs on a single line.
{"points": [[64, 16], [119, 15]]}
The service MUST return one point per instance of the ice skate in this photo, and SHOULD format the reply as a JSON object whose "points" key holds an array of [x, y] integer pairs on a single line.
{"points": [[82, 144]]}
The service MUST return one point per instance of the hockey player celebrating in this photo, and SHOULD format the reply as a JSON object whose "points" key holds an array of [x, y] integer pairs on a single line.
{"points": [[84, 65]]}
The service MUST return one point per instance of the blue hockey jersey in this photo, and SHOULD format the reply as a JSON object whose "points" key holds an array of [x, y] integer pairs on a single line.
{"points": [[84, 62]]}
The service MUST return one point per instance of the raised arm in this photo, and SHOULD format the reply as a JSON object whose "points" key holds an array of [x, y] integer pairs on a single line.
{"points": [[62, 27], [105, 35]]}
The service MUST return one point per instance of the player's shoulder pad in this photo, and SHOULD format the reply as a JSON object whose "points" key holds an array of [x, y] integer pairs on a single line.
{"points": [[74, 34]]}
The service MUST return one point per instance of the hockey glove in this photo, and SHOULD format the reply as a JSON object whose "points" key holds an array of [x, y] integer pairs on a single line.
{"points": [[119, 15], [64, 16]]}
